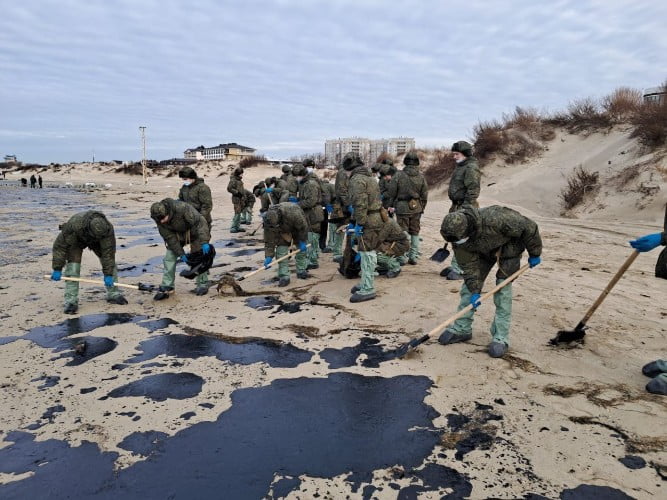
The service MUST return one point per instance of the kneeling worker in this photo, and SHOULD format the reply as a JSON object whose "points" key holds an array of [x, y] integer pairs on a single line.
{"points": [[394, 243], [92, 230], [481, 238], [285, 223], [180, 224]]}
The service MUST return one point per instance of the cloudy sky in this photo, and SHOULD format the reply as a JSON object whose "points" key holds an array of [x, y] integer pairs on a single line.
{"points": [[78, 77]]}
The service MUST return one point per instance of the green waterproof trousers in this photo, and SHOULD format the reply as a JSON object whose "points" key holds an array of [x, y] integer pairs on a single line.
{"points": [[500, 328], [314, 248], [385, 262], [414, 253], [246, 216], [369, 262], [283, 266], [73, 270], [236, 222], [337, 246], [455, 265], [169, 272], [331, 235]]}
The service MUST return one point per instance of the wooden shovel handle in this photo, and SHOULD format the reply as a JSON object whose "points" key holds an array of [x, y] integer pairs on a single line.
{"points": [[83, 280], [291, 254], [628, 262], [488, 294]]}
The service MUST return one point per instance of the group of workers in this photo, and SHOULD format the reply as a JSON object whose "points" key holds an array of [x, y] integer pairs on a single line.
{"points": [[372, 216]]}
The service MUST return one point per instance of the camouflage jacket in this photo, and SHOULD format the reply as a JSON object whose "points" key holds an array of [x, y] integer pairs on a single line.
{"points": [[364, 196], [293, 228], [328, 192], [341, 188], [280, 191], [464, 184], [393, 240], [235, 187], [75, 234], [185, 225], [198, 194], [408, 184], [291, 184], [499, 234], [310, 199], [248, 199], [383, 185]]}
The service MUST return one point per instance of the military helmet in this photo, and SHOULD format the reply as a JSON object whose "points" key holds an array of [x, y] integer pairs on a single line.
{"points": [[99, 226], [299, 171], [187, 173], [387, 161], [411, 159], [463, 147], [238, 171], [159, 210], [376, 168], [308, 162], [352, 161], [272, 218], [387, 170], [455, 226], [269, 180], [286, 169]]}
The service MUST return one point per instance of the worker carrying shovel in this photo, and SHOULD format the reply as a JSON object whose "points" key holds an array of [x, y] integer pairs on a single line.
{"points": [[285, 223], [90, 229], [481, 238]]}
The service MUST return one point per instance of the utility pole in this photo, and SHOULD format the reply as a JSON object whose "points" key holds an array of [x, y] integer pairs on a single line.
{"points": [[143, 161]]}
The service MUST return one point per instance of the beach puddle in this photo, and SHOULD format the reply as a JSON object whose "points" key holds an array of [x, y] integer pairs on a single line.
{"points": [[161, 387], [268, 437], [246, 251]]}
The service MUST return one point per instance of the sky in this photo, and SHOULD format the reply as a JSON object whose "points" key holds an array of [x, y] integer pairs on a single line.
{"points": [[78, 78]]}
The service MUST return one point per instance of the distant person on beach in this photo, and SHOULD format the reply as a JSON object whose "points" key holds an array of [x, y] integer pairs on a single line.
{"points": [[24, 182], [89, 229], [3, 174], [39, 180], [235, 187], [33, 181]]}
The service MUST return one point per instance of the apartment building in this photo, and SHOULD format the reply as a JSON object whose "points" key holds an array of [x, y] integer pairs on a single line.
{"points": [[368, 149]]}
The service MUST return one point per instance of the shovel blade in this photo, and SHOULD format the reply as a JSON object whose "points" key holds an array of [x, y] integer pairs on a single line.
{"points": [[440, 255], [567, 336], [410, 346], [144, 287]]}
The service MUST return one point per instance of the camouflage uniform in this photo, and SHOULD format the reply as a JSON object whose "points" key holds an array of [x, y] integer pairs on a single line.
{"points": [[496, 235], [198, 194], [290, 183], [408, 193], [310, 201], [279, 191], [185, 226], [285, 223], [89, 229], [464, 188], [394, 243], [341, 214], [248, 203], [235, 187], [384, 183], [328, 198], [364, 196]]}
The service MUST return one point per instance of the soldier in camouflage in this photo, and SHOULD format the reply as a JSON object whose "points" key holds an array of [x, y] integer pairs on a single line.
{"points": [[235, 187], [277, 189], [284, 224], [180, 224], [387, 173], [464, 188], [248, 204], [408, 195], [310, 201], [291, 183], [341, 214], [89, 229], [395, 243], [365, 205], [195, 192], [482, 238]]}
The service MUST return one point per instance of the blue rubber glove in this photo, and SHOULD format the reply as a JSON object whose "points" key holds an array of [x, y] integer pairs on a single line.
{"points": [[205, 248], [350, 228], [357, 257], [302, 246], [534, 261], [647, 243], [293, 199], [269, 190], [358, 230], [474, 300], [184, 258], [329, 208], [267, 261], [350, 209], [108, 281], [56, 275]]}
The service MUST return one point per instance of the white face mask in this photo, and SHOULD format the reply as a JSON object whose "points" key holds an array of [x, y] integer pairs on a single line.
{"points": [[461, 241], [458, 162], [187, 183], [309, 170], [299, 179]]}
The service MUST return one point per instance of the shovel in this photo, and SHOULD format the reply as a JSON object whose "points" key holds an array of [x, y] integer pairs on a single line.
{"points": [[412, 345], [256, 229], [252, 273], [441, 254], [143, 287], [577, 335]]}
